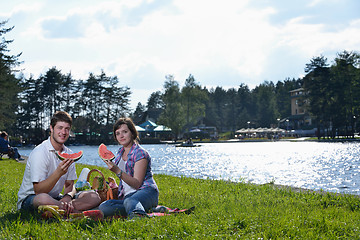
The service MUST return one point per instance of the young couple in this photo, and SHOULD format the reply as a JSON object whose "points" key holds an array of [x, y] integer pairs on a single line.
{"points": [[46, 176]]}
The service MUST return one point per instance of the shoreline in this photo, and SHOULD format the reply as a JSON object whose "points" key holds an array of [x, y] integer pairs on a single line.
{"points": [[274, 185], [247, 140]]}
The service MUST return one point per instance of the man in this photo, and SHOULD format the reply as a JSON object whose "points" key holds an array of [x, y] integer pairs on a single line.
{"points": [[45, 175], [7, 149]]}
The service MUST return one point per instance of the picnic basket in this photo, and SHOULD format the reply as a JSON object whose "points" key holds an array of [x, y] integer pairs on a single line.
{"points": [[100, 185]]}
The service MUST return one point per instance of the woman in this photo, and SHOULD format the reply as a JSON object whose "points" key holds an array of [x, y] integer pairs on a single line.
{"points": [[138, 191]]}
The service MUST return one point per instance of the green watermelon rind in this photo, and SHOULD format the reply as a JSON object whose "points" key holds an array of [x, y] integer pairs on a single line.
{"points": [[103, 158], [58, 154]]}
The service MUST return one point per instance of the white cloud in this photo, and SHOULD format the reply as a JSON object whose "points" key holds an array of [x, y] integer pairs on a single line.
{"points": [[21, 8], [140, 41], [315, 3]]}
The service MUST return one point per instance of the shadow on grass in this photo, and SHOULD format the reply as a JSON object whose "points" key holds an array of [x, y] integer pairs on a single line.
{"points": [[23, 217]]}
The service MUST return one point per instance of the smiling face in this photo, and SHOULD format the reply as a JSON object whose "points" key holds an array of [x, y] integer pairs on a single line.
{"points": [[59, 134], [124, 136]]}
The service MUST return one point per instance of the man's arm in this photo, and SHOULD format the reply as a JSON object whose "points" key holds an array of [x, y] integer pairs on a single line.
{"points": [[69, 187], [49, 183]]}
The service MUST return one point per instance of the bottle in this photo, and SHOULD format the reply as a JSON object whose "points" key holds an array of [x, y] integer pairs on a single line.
{"points": [[83, 175], [81, 183]]}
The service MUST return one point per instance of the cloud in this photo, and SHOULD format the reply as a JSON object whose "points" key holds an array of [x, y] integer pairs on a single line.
{"points": [[222, 43], [70, 27], [82, 22], [21, 8], [135, 15]]}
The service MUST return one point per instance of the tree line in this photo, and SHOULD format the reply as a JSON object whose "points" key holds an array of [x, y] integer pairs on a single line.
{"points": [[333, 92], [181, 108], [95, 103]]}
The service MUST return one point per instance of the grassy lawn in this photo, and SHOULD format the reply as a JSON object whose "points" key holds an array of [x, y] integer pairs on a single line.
{"points": [[224, 210]]}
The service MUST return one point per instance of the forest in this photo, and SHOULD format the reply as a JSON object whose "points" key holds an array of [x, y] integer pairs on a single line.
{"points": [[332, 100]]}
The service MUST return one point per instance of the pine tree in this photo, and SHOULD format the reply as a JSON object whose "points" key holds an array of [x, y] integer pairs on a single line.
{"points": [[9, 84]]}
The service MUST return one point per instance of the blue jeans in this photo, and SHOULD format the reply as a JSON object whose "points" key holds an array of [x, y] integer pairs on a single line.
{"points": [[138, 202], [16, 153], [12, 152], [27, 204]]}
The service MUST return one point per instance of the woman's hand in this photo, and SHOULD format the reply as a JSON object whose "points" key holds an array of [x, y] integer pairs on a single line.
{"points": [[112, 166]]}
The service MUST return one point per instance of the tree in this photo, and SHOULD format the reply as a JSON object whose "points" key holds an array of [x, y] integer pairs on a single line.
{"points": [[9, 84], [68, 97], [317, 88], [173, 115], [216, 108], [30, 119], [282, 90], [243, 109], [267, 112], [104, 101], [194, 99], [139, 114], [50, 91], [345, 91], [155, 101]]}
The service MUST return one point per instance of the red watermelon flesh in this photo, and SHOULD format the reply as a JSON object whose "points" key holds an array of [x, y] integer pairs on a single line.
{"points": [[95, 215], [104, 153], [73, 156]]}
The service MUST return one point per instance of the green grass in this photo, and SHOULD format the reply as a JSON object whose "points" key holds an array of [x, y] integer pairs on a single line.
{"points": [[224, 210]]}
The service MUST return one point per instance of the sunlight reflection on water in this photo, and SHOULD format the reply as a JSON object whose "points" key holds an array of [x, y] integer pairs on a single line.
{"points": [[329, 166]]}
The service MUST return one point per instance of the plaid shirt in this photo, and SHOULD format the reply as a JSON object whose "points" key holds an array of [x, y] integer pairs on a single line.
{"points": [[135, 154]]}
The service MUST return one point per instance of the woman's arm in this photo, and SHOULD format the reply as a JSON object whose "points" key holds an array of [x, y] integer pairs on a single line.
{"points": [[139, 172]]}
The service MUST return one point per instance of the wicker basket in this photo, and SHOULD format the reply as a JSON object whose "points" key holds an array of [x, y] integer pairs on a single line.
{"points": [[101, 187]]}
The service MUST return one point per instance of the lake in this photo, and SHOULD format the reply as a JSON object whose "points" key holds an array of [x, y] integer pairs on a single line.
{"points": [[333, 167]]}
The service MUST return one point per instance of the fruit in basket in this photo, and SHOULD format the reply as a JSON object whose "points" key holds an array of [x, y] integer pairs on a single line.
{"points": [[73, 156], [104, 153]]}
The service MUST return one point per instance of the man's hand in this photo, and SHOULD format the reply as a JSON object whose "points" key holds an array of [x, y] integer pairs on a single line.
{"points": [[64, 166], [66, 204]]}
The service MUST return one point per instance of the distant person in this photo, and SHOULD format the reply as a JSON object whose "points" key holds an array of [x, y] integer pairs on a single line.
{"points": [[5, 147], [138, 191], [46, 175]]}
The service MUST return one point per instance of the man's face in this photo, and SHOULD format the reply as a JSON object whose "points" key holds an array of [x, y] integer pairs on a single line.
{"points": [[60, 132]]}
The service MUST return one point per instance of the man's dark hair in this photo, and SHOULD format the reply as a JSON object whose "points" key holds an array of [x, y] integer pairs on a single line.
{"points": [[60, 116], [3, 134]]}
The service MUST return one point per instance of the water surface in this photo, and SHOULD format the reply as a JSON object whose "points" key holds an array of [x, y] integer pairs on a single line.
{"points": [[332, 167]]}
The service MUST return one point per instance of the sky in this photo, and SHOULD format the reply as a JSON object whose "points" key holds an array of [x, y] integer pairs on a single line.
{"points": [[221, 43]]}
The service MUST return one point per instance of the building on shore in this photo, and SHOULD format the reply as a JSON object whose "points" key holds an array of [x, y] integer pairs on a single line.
{"points": [[299, 122]]}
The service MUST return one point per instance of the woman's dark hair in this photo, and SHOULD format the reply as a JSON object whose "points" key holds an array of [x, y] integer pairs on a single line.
{"points": [[130, 125], [60, 116]]}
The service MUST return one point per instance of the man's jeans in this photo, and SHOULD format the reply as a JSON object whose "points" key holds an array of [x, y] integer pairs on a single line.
{"points": [[137, 202]]}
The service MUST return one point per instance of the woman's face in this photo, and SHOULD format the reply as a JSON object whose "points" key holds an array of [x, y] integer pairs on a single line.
{"points": [[124, 136]]}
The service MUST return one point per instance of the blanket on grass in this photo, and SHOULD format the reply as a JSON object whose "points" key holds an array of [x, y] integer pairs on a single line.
{"points": [[52, 211], [163, 211]]}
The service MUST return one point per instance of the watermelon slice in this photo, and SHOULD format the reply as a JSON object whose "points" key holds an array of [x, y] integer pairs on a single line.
{"points": [[104, 153], [95, 215], [73, 156]]}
